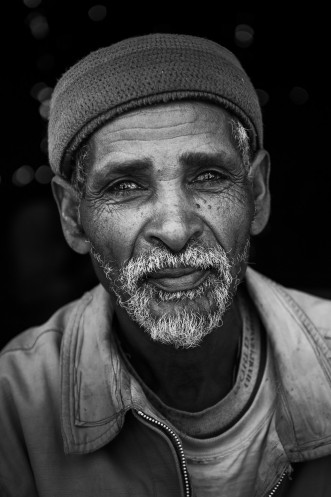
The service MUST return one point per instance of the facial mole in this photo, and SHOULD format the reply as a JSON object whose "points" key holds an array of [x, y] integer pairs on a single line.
{"points": [[198, 206], [209, 206]]}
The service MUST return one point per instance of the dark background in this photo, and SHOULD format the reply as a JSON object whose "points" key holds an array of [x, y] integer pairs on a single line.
{"points": [[286, 52]]}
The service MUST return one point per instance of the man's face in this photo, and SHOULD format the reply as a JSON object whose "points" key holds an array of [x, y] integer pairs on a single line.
{"points": [[167, 211]]}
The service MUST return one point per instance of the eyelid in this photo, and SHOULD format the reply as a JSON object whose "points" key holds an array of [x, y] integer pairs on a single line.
{"points": [[114, 190], [216, 174], [117, 183]]}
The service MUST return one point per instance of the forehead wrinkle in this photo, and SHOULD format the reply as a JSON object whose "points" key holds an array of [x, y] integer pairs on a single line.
{"points": [[147, 133], [154, 119], [193, 108], [123, 137], [116, 154]]}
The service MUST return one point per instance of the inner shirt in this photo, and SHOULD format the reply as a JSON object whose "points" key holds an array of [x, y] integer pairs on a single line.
{"points": [[225, 443]]}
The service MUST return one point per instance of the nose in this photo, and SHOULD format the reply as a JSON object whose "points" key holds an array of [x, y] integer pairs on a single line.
{"points": [[174, 222]]}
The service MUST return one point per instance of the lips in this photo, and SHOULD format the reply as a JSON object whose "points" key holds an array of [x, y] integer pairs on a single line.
{"points": [[178, 279]]}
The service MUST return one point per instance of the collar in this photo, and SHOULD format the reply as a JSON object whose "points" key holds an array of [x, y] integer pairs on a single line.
{"points": [[97, 389]]}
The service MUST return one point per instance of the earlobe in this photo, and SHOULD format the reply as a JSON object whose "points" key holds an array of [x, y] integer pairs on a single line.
{"points": [[67, 201], [260, 172]]}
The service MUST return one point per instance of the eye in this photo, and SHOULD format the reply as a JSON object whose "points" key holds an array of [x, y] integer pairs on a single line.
{"points": [[210, 177], [123, 187]]}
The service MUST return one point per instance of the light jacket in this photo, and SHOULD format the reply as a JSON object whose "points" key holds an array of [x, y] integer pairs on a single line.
{"points": [[74, 422]]}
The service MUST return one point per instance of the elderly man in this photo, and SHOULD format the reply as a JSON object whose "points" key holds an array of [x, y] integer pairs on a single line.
{"points": [[184, 372]]}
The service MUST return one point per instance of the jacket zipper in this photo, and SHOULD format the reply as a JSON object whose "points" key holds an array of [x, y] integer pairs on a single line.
{"points": [[182, 460], [178, 446], [278, 484]]}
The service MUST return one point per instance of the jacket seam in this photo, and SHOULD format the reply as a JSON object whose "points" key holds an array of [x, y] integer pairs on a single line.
{"points": [[91, 440], [314, 337], [76, 317], [109, 419], [26, 349], [300, 313], [312, 444], [303, 319], [289, 419]]}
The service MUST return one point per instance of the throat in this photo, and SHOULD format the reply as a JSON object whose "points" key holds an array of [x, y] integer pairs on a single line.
{"points": [[197, 393], [201, 406], [189, 379]]}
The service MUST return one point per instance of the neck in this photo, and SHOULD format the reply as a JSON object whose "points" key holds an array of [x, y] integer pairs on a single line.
{"points": [[186, 379]]}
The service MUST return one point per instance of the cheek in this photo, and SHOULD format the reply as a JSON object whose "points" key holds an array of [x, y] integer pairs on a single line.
{"points": [[112, 234], [230, 219]]}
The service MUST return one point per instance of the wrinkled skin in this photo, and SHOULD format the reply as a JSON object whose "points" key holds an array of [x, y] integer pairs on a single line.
{"points": [[164, 176]]}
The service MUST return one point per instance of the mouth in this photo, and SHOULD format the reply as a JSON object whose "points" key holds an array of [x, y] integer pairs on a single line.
{"points": [[178, 279]]}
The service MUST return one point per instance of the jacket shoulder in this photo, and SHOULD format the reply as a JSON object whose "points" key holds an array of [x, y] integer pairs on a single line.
{"points": [[308, 307], [317, 308], [30, 399], [30, 362], [28, 339], [55, 326]]}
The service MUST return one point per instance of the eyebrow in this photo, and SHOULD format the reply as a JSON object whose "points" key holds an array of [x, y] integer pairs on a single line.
{"points": [[190, 160], [204, 159], [124, 167]]}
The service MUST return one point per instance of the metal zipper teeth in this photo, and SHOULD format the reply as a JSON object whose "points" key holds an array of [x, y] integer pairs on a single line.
{"points": [[179, 448], [274, 490]]}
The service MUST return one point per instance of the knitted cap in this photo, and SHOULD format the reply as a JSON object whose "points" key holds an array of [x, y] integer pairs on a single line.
{"points": [[142, 71]]}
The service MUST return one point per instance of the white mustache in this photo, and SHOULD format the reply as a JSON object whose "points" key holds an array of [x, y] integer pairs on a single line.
{"points": [[195, 257], [189, 323]]}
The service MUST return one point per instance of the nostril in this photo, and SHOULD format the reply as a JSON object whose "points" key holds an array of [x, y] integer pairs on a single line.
{"points": [[175, 231]]}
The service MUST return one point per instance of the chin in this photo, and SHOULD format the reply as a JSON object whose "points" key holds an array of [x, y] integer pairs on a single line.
{"points": [[199, 305], [181, 319], [182, 326]]}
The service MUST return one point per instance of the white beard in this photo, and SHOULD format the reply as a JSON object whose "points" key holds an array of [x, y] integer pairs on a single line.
{"points": [[181, 318]]}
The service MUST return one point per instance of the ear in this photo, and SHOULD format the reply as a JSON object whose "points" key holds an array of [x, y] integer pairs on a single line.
{"points": [[67, 201], [259, 175]]}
